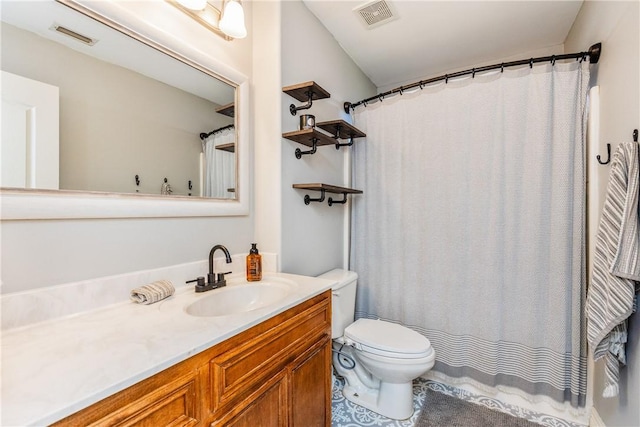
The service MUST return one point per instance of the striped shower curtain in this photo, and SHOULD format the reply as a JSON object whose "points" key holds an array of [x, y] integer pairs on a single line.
{"points": [[472, 225]]}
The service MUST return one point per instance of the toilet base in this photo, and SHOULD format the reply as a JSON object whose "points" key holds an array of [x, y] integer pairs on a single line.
{"points": [[393, 401]]}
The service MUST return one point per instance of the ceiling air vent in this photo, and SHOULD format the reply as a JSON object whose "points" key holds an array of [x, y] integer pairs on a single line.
{"points": [[376, 13], [73, 34]]}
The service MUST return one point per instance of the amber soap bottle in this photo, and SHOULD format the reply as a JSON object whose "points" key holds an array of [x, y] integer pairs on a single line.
{"points": [[254, 264]]}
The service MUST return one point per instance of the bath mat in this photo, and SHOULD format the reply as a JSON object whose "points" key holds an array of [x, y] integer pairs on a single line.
{"points": [[441, 410]]}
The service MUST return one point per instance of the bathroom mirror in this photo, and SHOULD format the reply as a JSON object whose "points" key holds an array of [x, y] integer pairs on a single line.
{"points": [[143, 129]]}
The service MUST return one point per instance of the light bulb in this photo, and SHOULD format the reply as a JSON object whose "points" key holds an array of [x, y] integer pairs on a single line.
{"points": [[232, 22]]}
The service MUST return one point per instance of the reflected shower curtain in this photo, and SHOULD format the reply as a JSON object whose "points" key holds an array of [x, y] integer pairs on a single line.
{"points": [[220, 165], [471, 229]]}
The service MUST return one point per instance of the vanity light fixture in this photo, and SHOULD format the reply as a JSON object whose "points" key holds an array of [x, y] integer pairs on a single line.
{"points": [[229, 24], [232, 22]]}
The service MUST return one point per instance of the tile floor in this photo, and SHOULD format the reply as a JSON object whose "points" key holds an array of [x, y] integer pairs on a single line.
{"points": [[347, 414]]}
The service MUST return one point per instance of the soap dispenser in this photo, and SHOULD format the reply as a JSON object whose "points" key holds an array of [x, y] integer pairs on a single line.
{"points": [[254, 264]]}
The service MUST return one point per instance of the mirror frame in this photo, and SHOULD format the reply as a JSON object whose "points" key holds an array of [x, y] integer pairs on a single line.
{"points": [[18, 204]]}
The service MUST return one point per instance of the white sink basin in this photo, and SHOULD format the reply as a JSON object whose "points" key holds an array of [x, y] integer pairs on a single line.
{"points": [[238, 299]]}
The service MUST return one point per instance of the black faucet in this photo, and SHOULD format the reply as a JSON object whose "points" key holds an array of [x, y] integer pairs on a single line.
{"points": [[213, 281]]}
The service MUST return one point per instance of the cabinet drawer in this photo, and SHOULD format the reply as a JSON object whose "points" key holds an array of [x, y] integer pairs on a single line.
{"points": [[258, 357]]}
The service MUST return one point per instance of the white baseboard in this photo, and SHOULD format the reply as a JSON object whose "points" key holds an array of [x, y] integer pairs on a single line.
{"points": [[595, 420]]}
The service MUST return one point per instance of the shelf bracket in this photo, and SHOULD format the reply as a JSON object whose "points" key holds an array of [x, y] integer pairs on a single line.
{"points": [[348, 144], [341, 202], [308, 199], [336, 136], [314, 147], [326, 188], [294, 110]]}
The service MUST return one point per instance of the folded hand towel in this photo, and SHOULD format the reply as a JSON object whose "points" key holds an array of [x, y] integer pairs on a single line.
{"points": [[153, 292]]}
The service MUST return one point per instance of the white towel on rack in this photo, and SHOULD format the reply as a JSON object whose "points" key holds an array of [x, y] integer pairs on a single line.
{"points": [[616, 269]]}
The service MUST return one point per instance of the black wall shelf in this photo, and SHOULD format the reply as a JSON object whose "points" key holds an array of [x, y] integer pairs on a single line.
{"points": [[230, 147], [309, 137], [227, 110], [326, 188], [308, 91], [341, 130]]}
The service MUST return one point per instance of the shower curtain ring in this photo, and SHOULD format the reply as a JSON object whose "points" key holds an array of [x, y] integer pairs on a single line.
{"points": [[381, 97], [502, 67], [446, 78], [531, 63], [473, 73], [421, 85], [553, 60]]}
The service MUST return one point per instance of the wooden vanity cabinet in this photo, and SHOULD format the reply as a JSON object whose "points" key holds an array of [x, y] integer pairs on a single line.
{"points": [[277, 373]]}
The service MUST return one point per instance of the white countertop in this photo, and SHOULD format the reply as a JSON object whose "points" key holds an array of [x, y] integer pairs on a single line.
{"points": [[55, 368]]}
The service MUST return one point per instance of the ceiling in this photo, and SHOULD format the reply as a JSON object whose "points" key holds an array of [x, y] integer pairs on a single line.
{"points": [[429, 38]]}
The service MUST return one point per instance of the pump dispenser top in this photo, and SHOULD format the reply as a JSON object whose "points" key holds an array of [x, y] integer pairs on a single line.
{"points": [[254, 264]]}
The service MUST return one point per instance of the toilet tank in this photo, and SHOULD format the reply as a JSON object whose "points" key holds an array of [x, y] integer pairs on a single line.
{"points": [[343, 299]]}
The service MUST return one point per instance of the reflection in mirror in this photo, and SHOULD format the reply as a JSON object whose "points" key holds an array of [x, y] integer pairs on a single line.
{"points": [[121, 116]]}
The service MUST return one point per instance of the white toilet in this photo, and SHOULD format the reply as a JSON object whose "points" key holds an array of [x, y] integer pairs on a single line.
{"points": [[379, 360]]}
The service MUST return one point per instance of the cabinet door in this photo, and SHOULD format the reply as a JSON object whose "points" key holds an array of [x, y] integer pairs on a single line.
{"points": [[155, 402], [311, 387], [267, 408]]}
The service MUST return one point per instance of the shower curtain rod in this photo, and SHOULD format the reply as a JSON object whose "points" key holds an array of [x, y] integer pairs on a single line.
{"points": [[593, 53], [204, 136]]}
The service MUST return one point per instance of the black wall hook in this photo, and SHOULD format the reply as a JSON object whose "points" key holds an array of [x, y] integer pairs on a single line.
{"points": [[608, 156]]}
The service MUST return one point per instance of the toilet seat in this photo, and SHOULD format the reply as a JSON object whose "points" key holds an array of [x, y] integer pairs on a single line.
{"points": [[387, 339]]}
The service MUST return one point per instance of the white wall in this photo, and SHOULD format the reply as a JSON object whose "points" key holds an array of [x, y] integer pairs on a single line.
{"points": [[45, 253], [313, 236], [266, 90], [617, 25], [292, 46]]}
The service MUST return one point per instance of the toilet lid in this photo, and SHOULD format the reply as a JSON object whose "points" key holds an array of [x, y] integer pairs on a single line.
{"points": [[386, 338]]}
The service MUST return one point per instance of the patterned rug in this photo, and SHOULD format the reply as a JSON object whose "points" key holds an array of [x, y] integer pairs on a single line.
{"points": [[347, 414]]}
